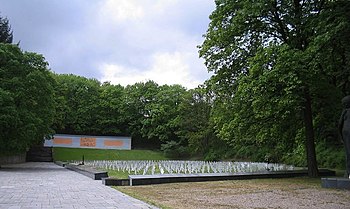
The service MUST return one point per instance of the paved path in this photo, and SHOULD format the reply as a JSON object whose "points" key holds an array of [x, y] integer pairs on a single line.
{"points": [[46, 185]]}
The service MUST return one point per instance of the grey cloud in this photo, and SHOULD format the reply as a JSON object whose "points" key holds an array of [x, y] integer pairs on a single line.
{"points": [[68, 34]]}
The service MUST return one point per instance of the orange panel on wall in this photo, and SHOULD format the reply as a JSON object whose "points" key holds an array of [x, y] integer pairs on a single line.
{"points": [[87, 142], [62, 140], [113, 143]]}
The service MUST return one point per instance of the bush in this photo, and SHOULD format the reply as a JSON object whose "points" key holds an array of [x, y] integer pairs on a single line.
{"points": [[330, 156], [296, 157], [212, 155], [173, 149]]}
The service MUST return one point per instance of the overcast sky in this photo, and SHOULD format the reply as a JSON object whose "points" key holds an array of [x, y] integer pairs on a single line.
{"points": [[122, 41]]}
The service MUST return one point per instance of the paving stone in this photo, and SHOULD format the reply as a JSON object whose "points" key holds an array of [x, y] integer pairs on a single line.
{"points": [[14, 207], [46, 185]]}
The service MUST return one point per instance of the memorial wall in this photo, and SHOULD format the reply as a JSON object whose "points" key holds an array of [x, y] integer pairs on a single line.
{"points": [[96, 142]]}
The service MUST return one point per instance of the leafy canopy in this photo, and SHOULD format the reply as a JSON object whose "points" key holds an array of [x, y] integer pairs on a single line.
{"points": [[6, 34], [26, 99], [272, 67]]}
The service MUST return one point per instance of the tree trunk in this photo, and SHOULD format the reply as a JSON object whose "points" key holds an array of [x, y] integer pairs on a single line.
{"points": [[310, 138]]}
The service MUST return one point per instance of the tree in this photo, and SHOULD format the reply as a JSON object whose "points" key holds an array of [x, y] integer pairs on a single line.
{"points": [[194, 120], [26, 99], [6, 34], [111, 110], [161, 121], [77, 104], [267, 59], [151, 112], [137, 97]]}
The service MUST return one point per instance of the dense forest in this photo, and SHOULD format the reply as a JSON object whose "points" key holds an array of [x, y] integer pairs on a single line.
{"points": [[280, 70]]}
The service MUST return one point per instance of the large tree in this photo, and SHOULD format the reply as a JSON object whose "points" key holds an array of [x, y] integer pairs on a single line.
{"points": [[77, 104], [137, 97], [268, 59], [194, 121], [26, 99], [111, 110], [161, 121], [6, 34]]}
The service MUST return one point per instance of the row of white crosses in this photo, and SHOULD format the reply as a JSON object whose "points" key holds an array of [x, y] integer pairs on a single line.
{"points": [[185, 167]]}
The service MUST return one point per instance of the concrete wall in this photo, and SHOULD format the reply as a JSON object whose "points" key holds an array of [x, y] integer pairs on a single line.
{"points": [[96, 142], [21, 158]]}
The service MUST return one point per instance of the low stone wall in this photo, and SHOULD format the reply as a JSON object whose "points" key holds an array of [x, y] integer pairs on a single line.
{"points": [[177, 178], [115, 182], [87, 171], [21, 158]]}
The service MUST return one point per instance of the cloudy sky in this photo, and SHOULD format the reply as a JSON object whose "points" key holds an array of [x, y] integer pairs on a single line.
{"points": [[122, 41]]}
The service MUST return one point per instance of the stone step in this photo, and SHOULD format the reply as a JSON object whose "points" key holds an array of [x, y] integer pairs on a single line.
{"points": [[39, 154]]}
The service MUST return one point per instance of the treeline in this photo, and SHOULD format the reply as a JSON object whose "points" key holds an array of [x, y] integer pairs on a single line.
{"points": [[167, 116], [280, 71], [196, 122], [37, 103]]}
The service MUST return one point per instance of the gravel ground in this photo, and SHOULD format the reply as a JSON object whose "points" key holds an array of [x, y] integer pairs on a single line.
{"points": [[298, 193]]}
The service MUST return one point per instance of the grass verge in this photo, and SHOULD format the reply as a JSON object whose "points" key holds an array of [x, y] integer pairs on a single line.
{"points": [[141, 197], [117, 174]]}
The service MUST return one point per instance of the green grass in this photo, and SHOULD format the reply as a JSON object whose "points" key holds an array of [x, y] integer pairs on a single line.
{"points": [[118, 174], [66, 154]]}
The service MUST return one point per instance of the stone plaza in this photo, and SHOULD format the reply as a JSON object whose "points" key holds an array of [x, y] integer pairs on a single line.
{"points": [[46, 185]]}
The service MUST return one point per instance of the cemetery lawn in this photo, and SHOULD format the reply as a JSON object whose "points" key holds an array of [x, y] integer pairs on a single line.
{"points": [[117, 174], [257, 193], [67, 154]]}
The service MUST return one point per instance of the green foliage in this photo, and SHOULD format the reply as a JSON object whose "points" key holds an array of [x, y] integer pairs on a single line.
{"points": [[161, 112], [137, 97], [173, 149], [194, 120], [77, 104], [111, 110], [331, 155], [66, 154], [212, 155], [296, 156], [150, 113], [275, 85], [26, 99], [6, 34]]}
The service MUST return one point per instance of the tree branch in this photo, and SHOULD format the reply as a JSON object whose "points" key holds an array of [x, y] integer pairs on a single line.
{"points": [[280, 27]]}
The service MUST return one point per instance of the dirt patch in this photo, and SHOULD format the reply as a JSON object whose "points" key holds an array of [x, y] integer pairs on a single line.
{"points": [[259, 193]]}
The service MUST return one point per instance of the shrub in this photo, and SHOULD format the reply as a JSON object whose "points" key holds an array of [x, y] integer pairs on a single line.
{"points": [[173, 149], [330, 156]]}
